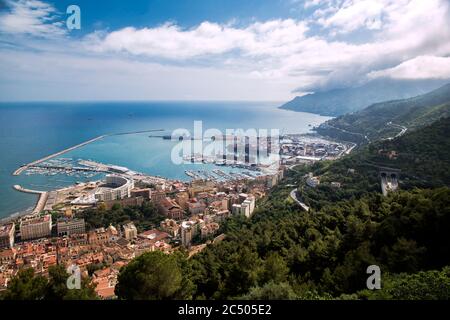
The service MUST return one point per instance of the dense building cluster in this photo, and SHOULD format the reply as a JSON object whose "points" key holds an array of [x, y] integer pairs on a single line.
{"points": [[193, 213]]}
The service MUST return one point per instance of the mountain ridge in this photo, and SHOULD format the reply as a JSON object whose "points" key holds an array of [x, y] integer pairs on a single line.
{"points": [[337, 102], [384, 120]]}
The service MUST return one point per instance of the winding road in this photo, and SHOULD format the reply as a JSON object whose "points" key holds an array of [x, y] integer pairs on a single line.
{"points": [[402, 132], [293, 195]]}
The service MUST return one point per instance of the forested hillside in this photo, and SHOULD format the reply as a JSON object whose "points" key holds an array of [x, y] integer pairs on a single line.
{"points": [[337, 102], [284, 252], [383, 120]]}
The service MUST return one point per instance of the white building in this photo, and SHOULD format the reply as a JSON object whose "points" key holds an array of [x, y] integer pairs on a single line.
{"points": [[66, 227], [36, 227], [187, 233], [246, 208], [116, 188]]}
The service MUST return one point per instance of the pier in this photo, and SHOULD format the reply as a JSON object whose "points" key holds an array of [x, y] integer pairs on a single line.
{"points": [[63, 168], [34, 163], [136, 132], [43, 195]]}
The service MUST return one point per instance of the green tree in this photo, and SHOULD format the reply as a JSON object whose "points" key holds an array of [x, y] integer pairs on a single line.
{"points": [[151, 276], [424, 285], [26, 286], [275, 269], [57, 287], [271, 291]]}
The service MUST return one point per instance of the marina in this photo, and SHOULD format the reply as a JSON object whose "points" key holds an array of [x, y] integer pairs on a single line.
{"points": [[31, 148], [34, 163]]}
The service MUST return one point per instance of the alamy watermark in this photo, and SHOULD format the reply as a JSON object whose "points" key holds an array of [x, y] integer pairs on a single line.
{"points": [[374, 280], [74, 280], [74, 19], [249, 147]]}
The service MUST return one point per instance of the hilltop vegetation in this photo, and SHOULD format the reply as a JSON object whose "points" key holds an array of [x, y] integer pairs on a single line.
{"points": [[422, 156], [286, 253], [283, 252], [374, 120], [340, 101]]}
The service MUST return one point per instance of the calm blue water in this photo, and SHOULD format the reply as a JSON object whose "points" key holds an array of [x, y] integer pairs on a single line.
{"points": [[30, 131]]}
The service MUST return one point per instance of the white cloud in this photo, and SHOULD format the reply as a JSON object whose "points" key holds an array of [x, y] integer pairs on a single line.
{"points": [[276, 56], [401, 30], [352, 15], [63, 76], [422, 67], [172, 42], [31, 17]]}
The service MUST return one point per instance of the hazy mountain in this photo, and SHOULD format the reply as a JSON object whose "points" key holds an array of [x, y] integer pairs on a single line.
{"points": [[386, 119], [340, 101]]}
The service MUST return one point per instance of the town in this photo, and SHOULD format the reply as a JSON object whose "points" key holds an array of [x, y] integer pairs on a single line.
{"points": [[55, 233]]}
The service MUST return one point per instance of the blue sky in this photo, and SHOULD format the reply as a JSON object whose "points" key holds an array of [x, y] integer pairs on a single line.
{"points": [[116, 14], [216, 49]]}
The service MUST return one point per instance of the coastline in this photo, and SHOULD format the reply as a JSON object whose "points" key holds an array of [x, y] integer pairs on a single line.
{"points": [[20, 170], [40, 202]]}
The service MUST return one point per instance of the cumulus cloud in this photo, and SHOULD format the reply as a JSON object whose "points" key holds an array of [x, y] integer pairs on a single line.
{"points": [[172, 42], [351, 15], [400, 30], [341, 43], [31, 17], [422, 67]]}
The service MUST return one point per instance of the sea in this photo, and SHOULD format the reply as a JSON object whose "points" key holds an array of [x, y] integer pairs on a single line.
{"points": [[30, 131]]}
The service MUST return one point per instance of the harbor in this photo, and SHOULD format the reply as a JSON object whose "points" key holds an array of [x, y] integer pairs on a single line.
{"points": [[35, 163], [57, 154]]}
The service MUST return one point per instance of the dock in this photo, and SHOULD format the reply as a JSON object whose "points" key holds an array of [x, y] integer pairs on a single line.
{"points": [[43, 195], [34, 163], [136, 132]]}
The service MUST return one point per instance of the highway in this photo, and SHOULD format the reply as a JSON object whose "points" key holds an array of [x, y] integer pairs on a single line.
{"points": [[402, 128], [349, 132], [293, 195]]}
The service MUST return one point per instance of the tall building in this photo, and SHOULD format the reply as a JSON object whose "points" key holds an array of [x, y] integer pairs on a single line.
{"points": [[198, 186], [246, 208], [187, 233], [36, 227], [7, 235], [170, 209], [196, 207], [129, 231], [67, 227]]}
